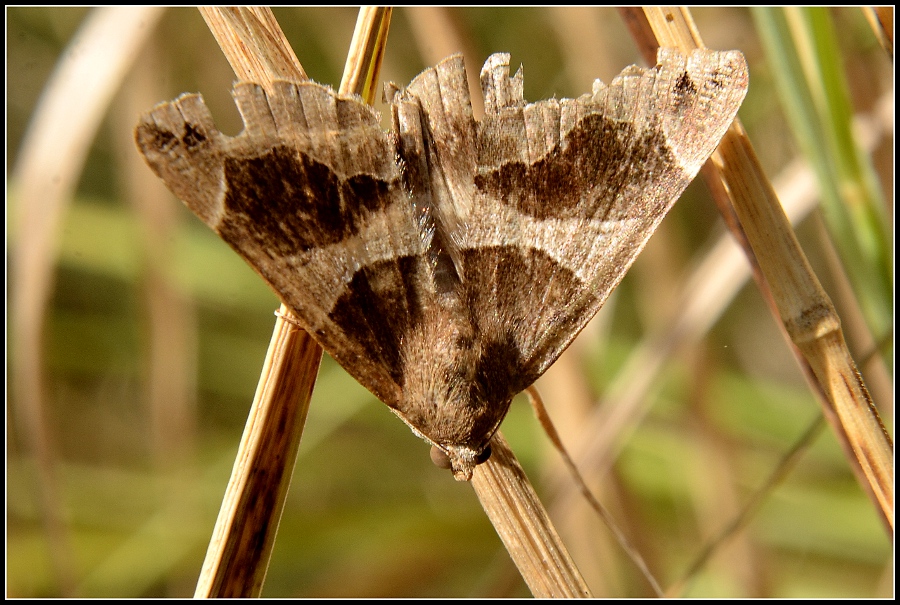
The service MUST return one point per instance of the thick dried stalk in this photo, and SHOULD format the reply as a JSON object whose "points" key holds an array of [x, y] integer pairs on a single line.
{"points": [[244, 534], [253, 43], [245, 530], [524, 527], [241, 546], [804, 309], [366, 53]]}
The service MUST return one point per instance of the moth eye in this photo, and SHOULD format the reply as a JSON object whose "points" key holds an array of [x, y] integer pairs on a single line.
{"points": [[440, 457], [483, 456]]}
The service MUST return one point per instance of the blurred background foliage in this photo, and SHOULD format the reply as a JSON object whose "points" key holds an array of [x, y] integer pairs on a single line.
{"points": [[155, 333]]}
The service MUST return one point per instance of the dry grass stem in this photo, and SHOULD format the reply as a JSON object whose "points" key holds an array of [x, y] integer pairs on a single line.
{"points": [[239, 551], [804, 309], [253, 43], [524, 526], [244, 534], [707, 292], [366, 53]]}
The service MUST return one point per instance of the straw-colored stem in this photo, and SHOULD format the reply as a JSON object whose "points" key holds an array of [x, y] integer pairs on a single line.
{"points": [[253, 43], [366, 53], [244, 534], [241, 544], [524, 527], [239, 552], [804, 309]]}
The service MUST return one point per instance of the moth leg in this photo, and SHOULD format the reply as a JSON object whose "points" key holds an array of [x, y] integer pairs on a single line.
{"points": [[289, 318]]}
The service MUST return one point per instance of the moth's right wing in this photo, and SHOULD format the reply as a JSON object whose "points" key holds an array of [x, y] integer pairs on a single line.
{"points": [[549, 203]]}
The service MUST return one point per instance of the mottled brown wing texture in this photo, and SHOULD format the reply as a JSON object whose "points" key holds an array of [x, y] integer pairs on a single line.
{"points": [[448, 263], [563, 194], [309, 195]]}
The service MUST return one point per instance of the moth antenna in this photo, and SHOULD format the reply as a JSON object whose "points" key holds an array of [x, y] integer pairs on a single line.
{"points": [[537, 404]]}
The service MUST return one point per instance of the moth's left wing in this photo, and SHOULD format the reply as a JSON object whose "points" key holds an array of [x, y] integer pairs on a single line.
{"points": [[554, 200], [310, 196]]}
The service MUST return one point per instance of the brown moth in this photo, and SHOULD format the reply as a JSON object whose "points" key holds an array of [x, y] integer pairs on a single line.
{"points": [[447, 263]]}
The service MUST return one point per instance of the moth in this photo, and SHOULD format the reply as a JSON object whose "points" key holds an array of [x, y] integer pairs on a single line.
{"points": [[447, 263]]}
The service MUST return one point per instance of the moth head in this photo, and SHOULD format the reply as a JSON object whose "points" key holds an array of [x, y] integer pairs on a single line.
{"points": [[462, 460]]}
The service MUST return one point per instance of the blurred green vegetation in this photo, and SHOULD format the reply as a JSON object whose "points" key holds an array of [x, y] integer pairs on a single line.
{"points": [[803, 46], [368, 515]]}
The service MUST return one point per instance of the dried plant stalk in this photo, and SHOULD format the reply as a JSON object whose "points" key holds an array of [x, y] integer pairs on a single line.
{"points": [[804, 309], [366, 53], [239, 551], [524, 527], [244, 534], [253, 43]]}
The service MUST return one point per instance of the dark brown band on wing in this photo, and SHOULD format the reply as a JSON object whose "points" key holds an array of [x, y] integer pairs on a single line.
{"points": [[293, 203], [378, 308], [585, 175], [517, 297]]}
